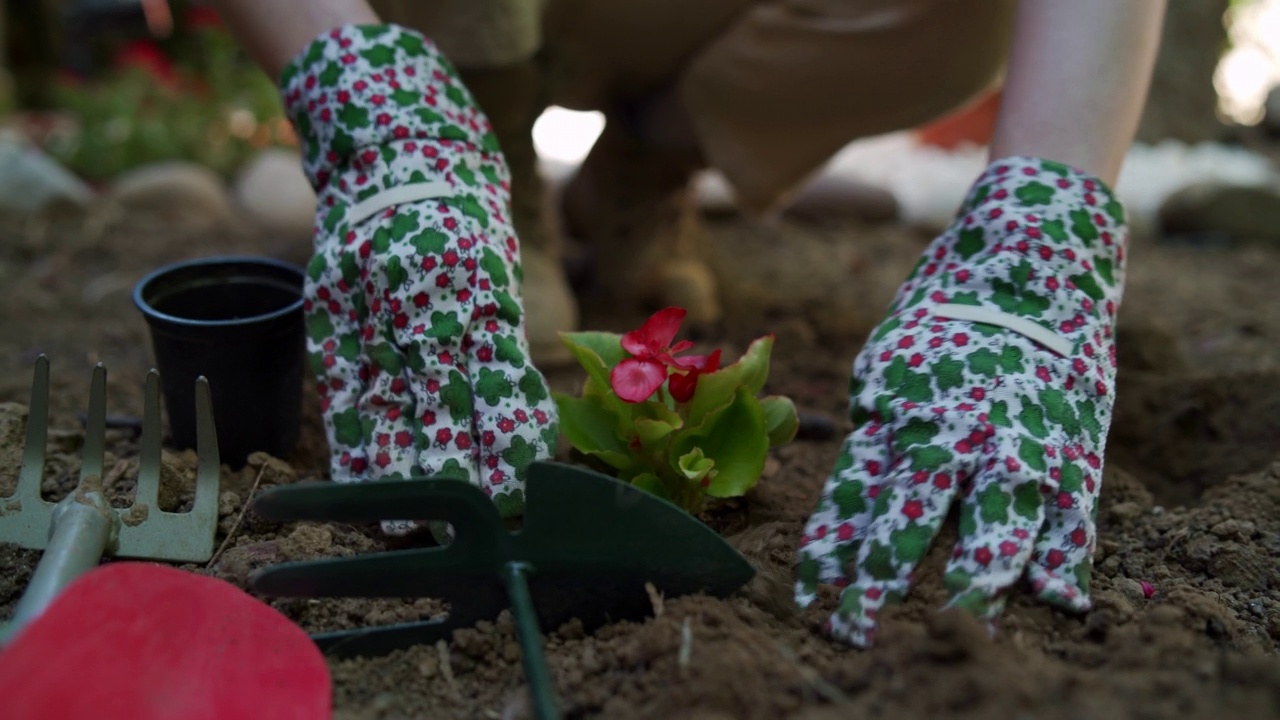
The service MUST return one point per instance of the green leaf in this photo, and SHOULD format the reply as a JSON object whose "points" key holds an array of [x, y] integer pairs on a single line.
{"points": [[993, 505], [652, 431], [780, 419], [508, 308], [915, 432], [879, 564], [929, 457], [948, 372], [346, 427], [493, 385], [1032, 453], [591, 429], [456, 395], [319, 326], [1027, 499], [695, 466], [1011, 359], [430, 242], [738, 443], [1034, 193], [983, 362], [397, 276], [1032, 418], [715, 389], [507, 349], [651, 484], [1083, 227], [970, 243], [387, 358], [1088, 285], [495, 267], [999, 414], [445, 327], [850, 499], [911, 542], [607, 346], [1054, 229], [1106, 271]]}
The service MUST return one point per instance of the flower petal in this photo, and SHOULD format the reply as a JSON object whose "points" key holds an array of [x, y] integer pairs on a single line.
{"points": [[702, 363], [656, 334], [683, 385], [634, 380]]}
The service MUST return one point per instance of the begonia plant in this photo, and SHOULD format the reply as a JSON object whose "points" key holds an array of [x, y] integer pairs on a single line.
{"points": [[684, 427]]}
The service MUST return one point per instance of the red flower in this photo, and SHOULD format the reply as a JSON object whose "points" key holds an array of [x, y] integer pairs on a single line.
{"points": [[653, 356], [683, 385]]}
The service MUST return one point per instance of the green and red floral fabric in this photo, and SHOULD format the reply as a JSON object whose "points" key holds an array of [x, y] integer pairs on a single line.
{"points": [[414, 315], [991, 382]]}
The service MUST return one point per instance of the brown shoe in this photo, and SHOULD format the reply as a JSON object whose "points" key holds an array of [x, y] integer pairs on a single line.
{"points": [[633, 209]]}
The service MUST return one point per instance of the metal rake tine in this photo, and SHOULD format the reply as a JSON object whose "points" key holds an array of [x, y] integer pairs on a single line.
{"points": [[32, 473], [208, 463], [147, 491], [95, 433]]}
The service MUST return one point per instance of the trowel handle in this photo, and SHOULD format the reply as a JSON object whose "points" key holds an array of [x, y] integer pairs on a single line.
{"points": [[82, 528], [529, 633]]}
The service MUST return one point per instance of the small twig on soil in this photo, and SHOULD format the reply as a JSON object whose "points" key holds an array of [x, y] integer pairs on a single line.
{"points": [[235, 527], [655, 597], [686, 647], [826, 690], [446, 668], [116, 472]]}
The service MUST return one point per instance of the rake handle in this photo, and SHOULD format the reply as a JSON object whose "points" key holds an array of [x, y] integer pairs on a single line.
{"points": [[81, 530], [529, 635]]}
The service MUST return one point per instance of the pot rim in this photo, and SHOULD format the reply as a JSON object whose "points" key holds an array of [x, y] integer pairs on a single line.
{"points": [[153, 315]]}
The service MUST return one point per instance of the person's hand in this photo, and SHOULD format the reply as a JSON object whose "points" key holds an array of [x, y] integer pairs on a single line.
{"points": [[414, 314], [990, 381]]}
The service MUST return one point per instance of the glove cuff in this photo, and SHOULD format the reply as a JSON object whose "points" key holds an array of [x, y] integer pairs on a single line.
{"points": [[1031, 182], [358, 87]]}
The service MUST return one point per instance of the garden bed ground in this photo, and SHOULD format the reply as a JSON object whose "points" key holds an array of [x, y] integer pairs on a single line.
{"points": [[1191, 502]]}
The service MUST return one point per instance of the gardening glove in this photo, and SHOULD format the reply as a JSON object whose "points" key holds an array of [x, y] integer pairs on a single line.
{"points": [[414, 315], [991, 380]]}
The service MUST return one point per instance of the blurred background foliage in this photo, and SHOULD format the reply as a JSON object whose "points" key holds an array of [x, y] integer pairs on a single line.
{"points": [[113, 97]]}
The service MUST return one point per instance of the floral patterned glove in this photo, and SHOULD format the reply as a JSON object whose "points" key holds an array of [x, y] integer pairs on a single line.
{"points": [[415, 328], [992, 380]]}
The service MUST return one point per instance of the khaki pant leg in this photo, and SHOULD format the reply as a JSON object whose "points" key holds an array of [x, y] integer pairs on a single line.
{"points": [[794, 81], [472, 33]]}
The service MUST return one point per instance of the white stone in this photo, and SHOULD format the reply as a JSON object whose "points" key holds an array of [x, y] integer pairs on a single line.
{"points": [[272, 191], [185, 191]]}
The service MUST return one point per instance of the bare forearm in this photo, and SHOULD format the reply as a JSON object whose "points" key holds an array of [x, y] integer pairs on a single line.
{"points": [[274, 31], [1077, 82]]}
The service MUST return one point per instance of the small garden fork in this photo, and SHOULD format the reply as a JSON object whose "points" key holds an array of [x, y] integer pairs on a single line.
{"points": [[78, 531]]}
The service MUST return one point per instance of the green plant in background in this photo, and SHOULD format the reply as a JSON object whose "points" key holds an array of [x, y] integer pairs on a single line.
{"points": [[209, 105], [681, 427]]}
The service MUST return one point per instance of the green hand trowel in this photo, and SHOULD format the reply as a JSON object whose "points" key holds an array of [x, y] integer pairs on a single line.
{"points": [[588, 546]]}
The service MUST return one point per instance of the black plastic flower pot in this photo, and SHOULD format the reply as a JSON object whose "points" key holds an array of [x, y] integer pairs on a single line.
{"points": [[238, 322]]}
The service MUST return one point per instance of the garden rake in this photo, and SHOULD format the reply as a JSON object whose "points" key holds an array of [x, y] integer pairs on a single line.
{"points": [[78, 531], [591, 548]]}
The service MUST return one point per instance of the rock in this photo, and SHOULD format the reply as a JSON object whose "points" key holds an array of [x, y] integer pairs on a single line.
{"points": [[1220, 211], [1130, 589], [550, 308], [274, 193], [688, 283], [832, 196], [180, 190], [31, 180]]}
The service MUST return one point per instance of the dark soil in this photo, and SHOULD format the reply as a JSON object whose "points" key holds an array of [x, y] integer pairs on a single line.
{"points": [[1190, 507]]}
